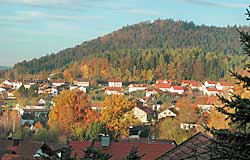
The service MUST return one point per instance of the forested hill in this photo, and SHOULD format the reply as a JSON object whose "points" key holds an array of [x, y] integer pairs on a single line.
{"points": [[161, 34]]}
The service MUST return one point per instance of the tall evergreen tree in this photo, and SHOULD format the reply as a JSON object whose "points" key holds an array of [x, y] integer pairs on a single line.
{"points": [[234, 143], [133, 155]]}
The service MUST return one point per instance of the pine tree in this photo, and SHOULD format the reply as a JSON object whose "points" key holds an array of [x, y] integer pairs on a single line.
{"points": [[93, 153], [133, 155], [234, 143]]}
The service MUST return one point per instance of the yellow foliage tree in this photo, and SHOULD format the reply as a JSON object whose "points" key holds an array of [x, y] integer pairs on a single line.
{"points": [[72, 110], [85, 71], [117, 114], [67, 75], [217, 119]]}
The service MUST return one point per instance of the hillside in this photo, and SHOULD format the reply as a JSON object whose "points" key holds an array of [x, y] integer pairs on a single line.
{"points": [[160, 34], [2, 68]]}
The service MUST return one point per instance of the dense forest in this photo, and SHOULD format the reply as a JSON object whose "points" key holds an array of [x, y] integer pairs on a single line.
{"points": [[150, 50]]}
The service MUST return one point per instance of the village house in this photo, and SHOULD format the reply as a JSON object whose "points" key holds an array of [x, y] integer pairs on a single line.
{"points": [[29, 150], [120, 149], [57, 83], [161, 81], [2, 90], [210, 91], [113, 90], [144, 100], [115, 83], [80, 88], [10, 95], [144, 114], [222, 85], [16, 84], [205, 103], [198, 144], [177, 89], [97, 106], [81, 83], [169, 112], [188, 125], [53, 91], [163, 86], [210, 84], [7, 82], [137, 87], [41, 102], [31, 113], [150, 92]]}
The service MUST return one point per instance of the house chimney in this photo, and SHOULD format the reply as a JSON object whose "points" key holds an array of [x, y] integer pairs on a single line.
{"points": [[105, 141]]}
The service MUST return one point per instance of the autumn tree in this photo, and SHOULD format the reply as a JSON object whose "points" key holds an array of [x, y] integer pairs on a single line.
{"points": [[117, 114], [72, 112], [10, 120], [217, 119]]}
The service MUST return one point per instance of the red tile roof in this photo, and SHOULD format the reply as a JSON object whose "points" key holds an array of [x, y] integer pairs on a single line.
{"points": [[163, 85], [119, 150], [211, 82], [212, 89], [118, 89], [223, 83], [138, 85], [178, 87], [197, 144]]}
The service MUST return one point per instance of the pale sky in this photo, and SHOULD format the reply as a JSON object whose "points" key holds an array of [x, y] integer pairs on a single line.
{"points": [[34, 28]]}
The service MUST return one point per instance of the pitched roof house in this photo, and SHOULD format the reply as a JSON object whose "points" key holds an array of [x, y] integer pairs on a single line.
{"points": [[163, 86], [144, 114], [121, 149], [210, 84], [222, 85], [137, 87], [115, 83], [194, 148], [177, 89], [113, 90], [210, 91]]}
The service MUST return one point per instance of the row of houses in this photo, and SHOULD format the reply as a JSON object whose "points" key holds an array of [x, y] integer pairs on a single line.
{"points": [[209, 88], [196, 147]]}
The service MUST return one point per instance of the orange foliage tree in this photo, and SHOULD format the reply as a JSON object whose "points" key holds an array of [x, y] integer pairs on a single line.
{"points": [[72, 112], [117, 114]]}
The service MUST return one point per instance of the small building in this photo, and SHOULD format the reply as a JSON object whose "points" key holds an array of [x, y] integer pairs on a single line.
{"points": [[210, 84], [144, 114], [113, 90], [163, 86], [188, 125], [115, 83], [137, 87], [150, 92], [198, 144], [82, 83], [222, 85], [210, 91], [58, 83], [162, 81], [177, 89], [169, 112]]}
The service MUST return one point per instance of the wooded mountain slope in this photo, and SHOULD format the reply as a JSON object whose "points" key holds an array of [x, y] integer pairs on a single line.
{"points": [[161, 34]]}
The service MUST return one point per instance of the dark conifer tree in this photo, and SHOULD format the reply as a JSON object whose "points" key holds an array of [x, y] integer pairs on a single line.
{"points": [[234, 143]]}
